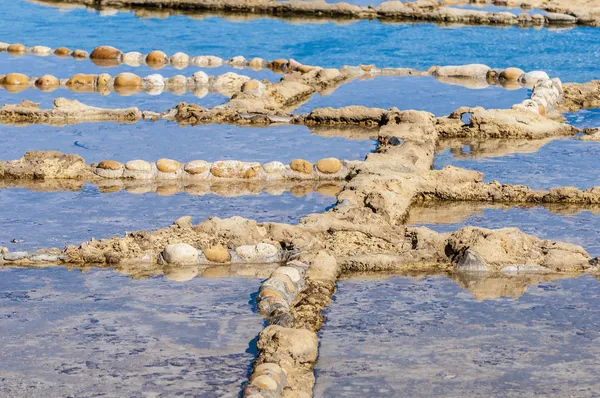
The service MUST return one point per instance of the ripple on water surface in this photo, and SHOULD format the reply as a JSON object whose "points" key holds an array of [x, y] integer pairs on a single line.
{"points": [[101, 333], [427, 337], [414, 92], [571, 54]]}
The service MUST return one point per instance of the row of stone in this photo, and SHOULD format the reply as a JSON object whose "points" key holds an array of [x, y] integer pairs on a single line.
{"points": [[267, 381], [328, 168], [489, 75], [42, 256], [185, 254], [111, 56], [128, 83], [545, 97], [279, 292]]}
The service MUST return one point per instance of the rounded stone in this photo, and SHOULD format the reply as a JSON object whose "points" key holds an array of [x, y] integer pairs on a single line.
{"points": [[139, 165], [265, 382], [217, 254], [274, 168], [511, 73], [278, 64], [80, 80], [257, 253], [329, 165], [62, 52], [180, 60], [154, 81], [533, 77], [80, 54], [238, 61], [177, 81], [106, 52], [16, 48], [167, 165], [196, 167], [41, 50], [103, 79], [301, 166], [127, 79], [133, 58], [252, 170], [156, 58], [268, 367], [110, 165], [47, 81], [291, 272], [200, 78], [14, 79], [227, 168], [208, 61], [266, 292], [180, 253], [256, 63]]}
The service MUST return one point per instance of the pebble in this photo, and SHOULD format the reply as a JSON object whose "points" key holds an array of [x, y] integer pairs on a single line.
{"points": [[200, 78], [180, 253], [227, 169], [133, 58], [329, 165], [217, 254], [257, 253], [301, 166], [196, 167], [102, 80], [80, 54], [13, 79], [47, 81], [16, 48], [156, 59], [208, 61], [106, 52], [41, 50], [167, 165], [511, 74], [154, 81], [265, 382], [81, 80], [257, 63], [274, 168], [127, 79], [238, 61], [139, 165], [62, 52], [110, 165], [180, 60]]}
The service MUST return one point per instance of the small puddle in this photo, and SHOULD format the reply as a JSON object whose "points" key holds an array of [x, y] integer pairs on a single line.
{"points": [[104, 334], [539, 164], [428, 337], [414, 92]]}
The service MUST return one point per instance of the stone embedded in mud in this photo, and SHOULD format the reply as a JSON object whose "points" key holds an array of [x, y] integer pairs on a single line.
{"points": [[301, 166], [200, 78], [106, 52], [228, 169], [62, 52], [329, 165], [217, 254], [138, 165], [110, 165], [257, 63], [156, 59], [133, 58], [47, 81], [80, 54], [102, 80], [196, 167], [167, 165], [250, 85], [127, 79], [274, 168], [471, 261], [291, 272], [238, 61], [511, 74], [14, 79], [265, 382], [531, 78], [180, 253], [261, 252], [16, 48], [180, 60], [41, 50], [208, 61], [474, 71], [81, 80]]}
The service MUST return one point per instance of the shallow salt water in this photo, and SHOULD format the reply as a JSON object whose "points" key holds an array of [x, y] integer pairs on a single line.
{"points": [[54, 219], [579, 225], [584, 118], [64, 333], [414, 92], [570, 54], [540, 165], [162, 139], [427, 337]]}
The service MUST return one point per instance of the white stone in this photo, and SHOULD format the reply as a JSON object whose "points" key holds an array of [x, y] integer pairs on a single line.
{"points": [[257, 253], [107, 173], [138, 165], [180, 59], [238, 61], [275, 168], [180, 253], [41, 50], [291, 272], [530, 79], [207, 61], [474, 71], [200, 78], [154, 81], [133, 58]]}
